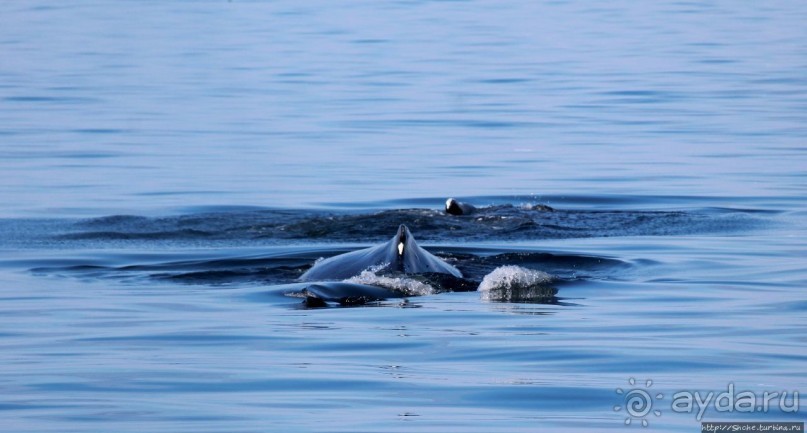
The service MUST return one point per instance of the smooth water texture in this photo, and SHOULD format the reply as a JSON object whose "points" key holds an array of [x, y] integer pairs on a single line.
{"points": [[168, 170]]}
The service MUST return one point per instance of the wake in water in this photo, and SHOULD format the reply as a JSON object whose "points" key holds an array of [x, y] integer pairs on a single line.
{"points": [[499, 222], [499, 274]]}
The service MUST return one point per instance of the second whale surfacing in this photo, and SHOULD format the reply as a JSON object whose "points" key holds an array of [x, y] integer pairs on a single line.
{"points": [[399, 254]]}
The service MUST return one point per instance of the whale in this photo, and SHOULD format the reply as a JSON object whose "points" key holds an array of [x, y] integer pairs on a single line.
{"points": [[458, 208], [321, 294], [454, 207], [399, 254]]}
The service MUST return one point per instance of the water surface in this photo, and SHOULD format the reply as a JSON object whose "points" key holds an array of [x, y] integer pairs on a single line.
{"points": [[168, 169]]}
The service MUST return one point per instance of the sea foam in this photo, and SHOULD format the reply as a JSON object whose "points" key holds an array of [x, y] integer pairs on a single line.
{"points": [[516, 284], [402, 284]]}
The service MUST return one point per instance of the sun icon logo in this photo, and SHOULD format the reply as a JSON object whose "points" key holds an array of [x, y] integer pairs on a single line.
{"points": [[638, 402]]}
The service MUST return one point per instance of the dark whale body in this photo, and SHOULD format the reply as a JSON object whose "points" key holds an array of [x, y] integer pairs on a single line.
{"points": [[454, 207], [399, 254], [320, 294]]}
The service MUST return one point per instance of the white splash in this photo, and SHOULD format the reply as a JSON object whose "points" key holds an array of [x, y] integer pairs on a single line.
{"points": [[514, 283], [403, 284]]}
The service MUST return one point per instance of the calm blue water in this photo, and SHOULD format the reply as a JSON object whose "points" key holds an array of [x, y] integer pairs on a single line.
{"points": [[169, 168]]}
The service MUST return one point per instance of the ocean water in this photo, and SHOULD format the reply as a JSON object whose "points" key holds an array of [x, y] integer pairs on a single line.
{"points": [[169, 169]]}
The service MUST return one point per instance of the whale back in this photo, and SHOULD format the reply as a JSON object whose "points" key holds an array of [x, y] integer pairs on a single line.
{"points": [[401, 254], [349, 264]]}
